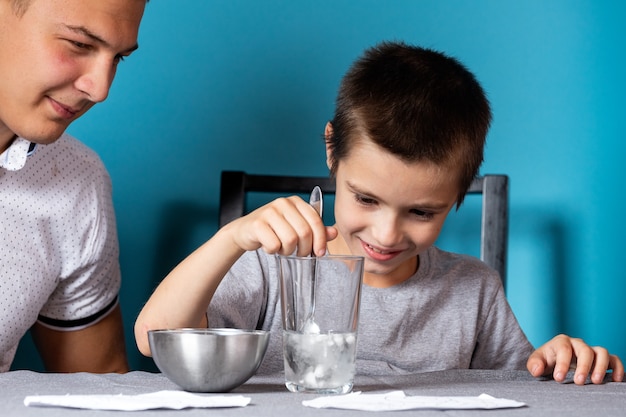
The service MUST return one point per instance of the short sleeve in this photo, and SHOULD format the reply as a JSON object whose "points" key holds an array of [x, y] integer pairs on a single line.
{"points": [[86, 240], [241, 298], [501, 342]]}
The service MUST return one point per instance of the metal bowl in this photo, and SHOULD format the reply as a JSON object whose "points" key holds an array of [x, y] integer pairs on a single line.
{"points": [[208, 360]]}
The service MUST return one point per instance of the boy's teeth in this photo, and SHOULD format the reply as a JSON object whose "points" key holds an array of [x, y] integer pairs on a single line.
{"points": [[376, 250]]}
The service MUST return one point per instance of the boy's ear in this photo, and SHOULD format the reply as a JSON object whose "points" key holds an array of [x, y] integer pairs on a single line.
{"points": [[328, 134]]}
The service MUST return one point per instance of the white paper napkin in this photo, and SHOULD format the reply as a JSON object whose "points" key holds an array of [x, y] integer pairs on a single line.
{"points": [[398, 400], [176, 400]]}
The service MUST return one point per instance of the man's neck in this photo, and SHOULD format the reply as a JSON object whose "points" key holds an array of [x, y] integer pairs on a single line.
{"points": [[6, 140]]}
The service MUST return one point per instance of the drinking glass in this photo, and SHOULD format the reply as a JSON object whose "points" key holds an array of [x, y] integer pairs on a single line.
{"points": [[320, 300]]}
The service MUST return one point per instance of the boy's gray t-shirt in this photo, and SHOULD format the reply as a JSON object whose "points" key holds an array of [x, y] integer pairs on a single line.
{"points": [[451, 314]]}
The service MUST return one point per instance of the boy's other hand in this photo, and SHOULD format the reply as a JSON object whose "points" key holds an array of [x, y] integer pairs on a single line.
{"points": [[563, 353]]}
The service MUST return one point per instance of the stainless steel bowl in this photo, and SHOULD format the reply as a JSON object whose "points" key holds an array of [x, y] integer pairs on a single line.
{"points": [[208, 360]]}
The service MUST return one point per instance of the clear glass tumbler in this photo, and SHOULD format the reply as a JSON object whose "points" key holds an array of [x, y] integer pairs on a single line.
{"points": [[320, 300]]}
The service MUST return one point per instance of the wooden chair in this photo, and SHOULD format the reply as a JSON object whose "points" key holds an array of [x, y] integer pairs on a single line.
{"points": [[494, 219]]}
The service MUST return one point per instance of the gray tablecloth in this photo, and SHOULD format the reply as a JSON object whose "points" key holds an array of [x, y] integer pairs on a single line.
{"points": [[271, 398]]}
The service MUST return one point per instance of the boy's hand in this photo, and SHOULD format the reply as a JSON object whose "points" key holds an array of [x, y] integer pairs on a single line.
{"points": [[283, 226], [563, 353]]}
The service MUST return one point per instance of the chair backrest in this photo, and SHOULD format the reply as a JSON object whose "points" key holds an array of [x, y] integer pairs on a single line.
{"points": [[494, 219]]}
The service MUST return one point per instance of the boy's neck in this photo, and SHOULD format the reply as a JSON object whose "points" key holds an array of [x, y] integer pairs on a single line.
{"points": [[397, 276], [405, 271]]}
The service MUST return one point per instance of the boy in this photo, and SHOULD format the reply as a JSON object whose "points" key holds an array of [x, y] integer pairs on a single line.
{"points": [[406, 140], [59, 270]]}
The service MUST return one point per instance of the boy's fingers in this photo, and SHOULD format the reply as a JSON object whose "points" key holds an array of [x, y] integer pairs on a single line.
{"points": [[618, 368], [536, 364], [584, 360]]}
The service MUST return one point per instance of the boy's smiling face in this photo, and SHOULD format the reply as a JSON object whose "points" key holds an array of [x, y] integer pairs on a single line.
{"points": [[389, 211]]}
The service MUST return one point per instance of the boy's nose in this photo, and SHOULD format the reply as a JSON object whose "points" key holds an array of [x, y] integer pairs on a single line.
{"points": [[387, 231]]}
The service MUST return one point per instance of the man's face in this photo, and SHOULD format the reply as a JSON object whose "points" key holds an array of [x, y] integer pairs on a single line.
{"points": [[389, 211], [58, 59]]}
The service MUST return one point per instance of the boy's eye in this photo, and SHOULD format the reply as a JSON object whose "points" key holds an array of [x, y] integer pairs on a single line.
{"points": [[422, 214], [364, 200]]}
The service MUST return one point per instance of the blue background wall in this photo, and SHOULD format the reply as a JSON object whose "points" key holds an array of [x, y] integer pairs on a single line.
{"points": [[236, 84]]}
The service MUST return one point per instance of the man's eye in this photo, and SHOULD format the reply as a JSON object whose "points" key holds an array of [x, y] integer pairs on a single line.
{"points": [[80, 45]]}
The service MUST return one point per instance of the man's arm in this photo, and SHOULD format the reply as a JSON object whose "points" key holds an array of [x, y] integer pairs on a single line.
{"points": [[99, 348]]}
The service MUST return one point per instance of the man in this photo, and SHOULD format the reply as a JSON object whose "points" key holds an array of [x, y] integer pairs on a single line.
{"points": [[59, 268]]}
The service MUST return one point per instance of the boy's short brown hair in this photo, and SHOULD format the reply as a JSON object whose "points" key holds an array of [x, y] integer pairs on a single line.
{"points": [[416, 103]]}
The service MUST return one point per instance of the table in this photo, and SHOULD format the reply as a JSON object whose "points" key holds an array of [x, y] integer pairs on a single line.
{"points": [[271, 398]]}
